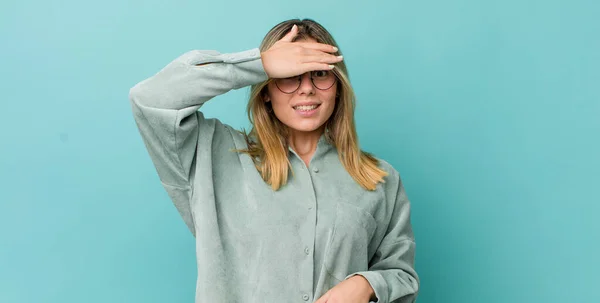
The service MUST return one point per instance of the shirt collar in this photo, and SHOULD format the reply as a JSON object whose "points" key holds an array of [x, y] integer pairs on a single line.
{"points": [[323, 146]]}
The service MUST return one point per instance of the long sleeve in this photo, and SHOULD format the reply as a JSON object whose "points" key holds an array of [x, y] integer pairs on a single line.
{"points": [[391, 270], [165, 108]]}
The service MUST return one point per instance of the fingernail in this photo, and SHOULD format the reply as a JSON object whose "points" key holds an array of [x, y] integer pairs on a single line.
{"points": [[335, 49], [294, 27], [340, 57], [331, 66]]}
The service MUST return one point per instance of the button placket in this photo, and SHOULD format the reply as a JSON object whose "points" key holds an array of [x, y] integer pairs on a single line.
{"points": [[308, 233]]}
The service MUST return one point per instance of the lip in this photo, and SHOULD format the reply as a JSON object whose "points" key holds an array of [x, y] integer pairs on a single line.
{"points": [[305, 104], [308, 113]]}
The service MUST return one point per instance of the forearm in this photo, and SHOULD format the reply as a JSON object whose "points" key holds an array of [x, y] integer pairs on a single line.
{"points": [[392, 275], [197, 76]]}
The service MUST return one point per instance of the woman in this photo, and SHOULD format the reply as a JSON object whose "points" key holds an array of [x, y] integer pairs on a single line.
{"points": [[292, 211]]}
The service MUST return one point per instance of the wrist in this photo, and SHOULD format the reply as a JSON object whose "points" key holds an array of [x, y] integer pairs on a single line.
{"points": [[262, 60], [368, 289]]}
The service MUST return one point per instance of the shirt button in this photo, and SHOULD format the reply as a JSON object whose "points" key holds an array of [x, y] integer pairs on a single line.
{"points": [[316, 170], [305, 297], [306, 250]]}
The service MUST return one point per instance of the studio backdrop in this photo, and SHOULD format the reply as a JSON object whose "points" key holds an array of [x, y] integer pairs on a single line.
{"points": [[490, 111]]}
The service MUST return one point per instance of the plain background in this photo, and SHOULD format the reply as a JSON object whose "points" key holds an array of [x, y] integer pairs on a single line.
{"points": [[490, 111]]}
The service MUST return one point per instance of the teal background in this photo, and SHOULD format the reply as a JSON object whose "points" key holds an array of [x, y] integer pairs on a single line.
{"points": [[490, 110]]}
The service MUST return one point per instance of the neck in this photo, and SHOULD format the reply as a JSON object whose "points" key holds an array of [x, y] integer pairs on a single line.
{"points": [[304, 143]]}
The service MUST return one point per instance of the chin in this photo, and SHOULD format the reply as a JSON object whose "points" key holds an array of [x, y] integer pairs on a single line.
{"points": [[304, 127]]}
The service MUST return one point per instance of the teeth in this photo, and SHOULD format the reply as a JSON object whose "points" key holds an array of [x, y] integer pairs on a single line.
{"points": [[305, 107]]}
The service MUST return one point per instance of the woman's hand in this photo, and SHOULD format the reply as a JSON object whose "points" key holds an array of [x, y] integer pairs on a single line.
{"points": [[287, 59], [356, 289]]}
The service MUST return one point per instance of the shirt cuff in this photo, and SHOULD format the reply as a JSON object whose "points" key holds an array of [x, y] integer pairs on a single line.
{"points": [[377, 283], [247, 67]]}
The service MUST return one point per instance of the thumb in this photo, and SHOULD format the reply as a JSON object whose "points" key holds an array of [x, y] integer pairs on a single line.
{"points": [[291, 34]]}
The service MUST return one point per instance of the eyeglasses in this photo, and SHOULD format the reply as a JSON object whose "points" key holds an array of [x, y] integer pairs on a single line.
{"points": [[321, 79]]}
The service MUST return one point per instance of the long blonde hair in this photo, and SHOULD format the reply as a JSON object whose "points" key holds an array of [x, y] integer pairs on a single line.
{"points": [[269, 149]]}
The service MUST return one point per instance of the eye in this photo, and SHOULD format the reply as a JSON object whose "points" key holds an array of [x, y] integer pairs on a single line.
{"points": [[320, 73]]}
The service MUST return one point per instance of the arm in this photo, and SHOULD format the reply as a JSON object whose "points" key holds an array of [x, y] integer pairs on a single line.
{"points": [[391, 271], [165, 106], [165, 111]]}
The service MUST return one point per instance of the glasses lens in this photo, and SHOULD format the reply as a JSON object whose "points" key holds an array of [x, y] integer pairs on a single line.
{"points": [[323, 79], [288, 85]]}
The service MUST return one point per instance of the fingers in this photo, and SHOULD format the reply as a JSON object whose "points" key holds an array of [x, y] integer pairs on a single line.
{"points": [[322, 58], [319, 61], [319, 46], [291, 34], [317, 66]]}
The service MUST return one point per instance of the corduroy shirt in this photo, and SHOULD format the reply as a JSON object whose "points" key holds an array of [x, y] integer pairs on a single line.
{"points": [[254, 244]]}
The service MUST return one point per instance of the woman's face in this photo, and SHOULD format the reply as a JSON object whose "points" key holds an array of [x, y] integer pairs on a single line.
{"points": [[305, 118]]}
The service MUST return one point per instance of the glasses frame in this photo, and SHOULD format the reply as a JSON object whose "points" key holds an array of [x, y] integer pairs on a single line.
{"points": [[312, 81]]}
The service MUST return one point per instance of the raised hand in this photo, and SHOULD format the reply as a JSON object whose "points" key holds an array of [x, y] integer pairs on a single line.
{"points": [[287, 59]]}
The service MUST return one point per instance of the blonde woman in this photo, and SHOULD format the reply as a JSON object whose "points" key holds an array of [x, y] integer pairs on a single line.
{"points": [[292, 211]]}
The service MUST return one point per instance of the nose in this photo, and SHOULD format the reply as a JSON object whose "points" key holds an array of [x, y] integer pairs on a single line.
{"points": [[306, 85]]}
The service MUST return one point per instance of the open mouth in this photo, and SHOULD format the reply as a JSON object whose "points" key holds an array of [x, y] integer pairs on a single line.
{"points": [[306, 108]]}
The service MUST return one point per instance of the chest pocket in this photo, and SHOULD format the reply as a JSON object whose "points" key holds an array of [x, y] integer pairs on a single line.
{"points": [[347, 251]]}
